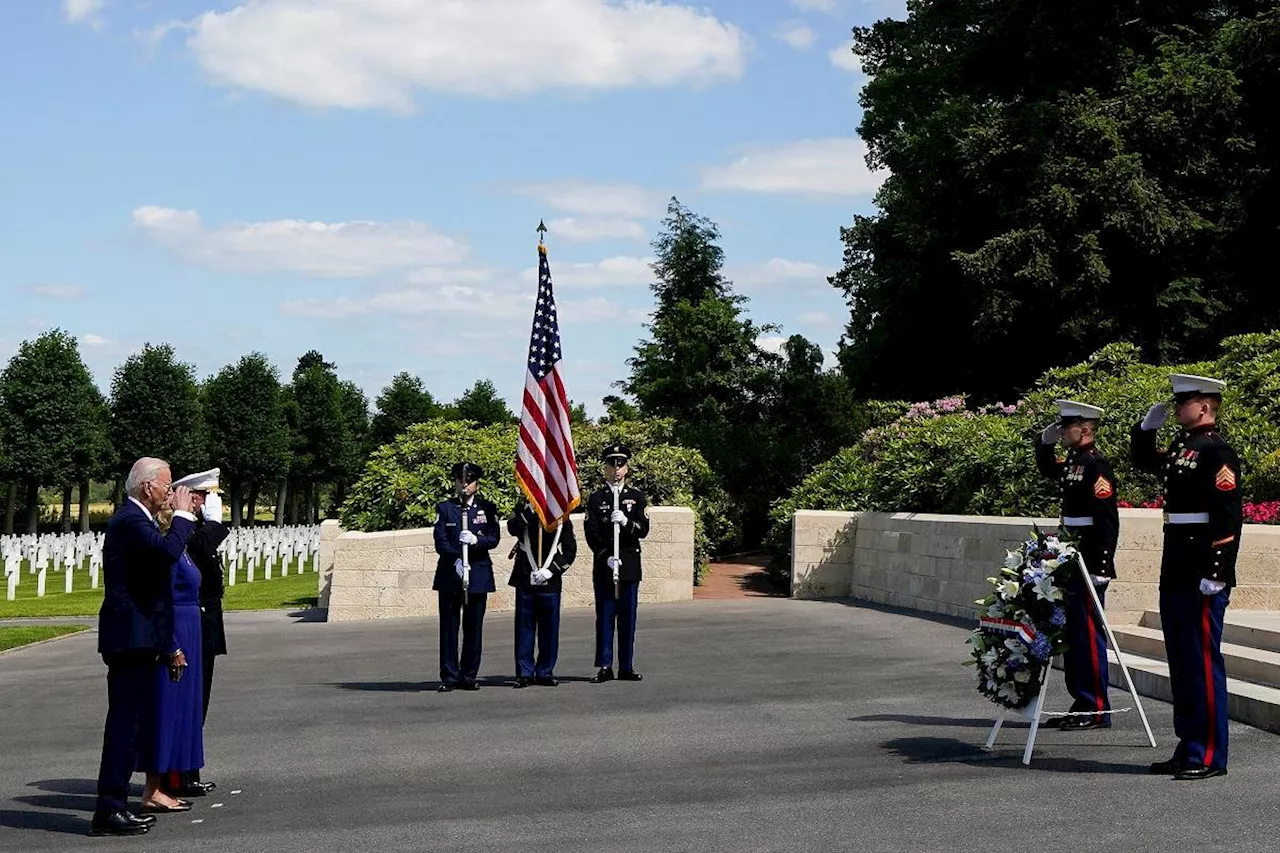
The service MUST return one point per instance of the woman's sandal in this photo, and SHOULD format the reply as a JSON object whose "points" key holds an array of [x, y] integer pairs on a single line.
{"points": [[156, 808]]}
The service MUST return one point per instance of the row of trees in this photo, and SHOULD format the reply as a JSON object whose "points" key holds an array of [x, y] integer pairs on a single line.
{"points": [[294, 445]]}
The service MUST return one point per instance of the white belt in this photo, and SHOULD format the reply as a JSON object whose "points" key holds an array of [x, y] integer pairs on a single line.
{"points": [[1187, 518], [1078, 521]]}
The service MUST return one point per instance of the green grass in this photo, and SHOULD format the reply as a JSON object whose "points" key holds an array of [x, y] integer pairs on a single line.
{"points": [[25, 635], [294, 591]]}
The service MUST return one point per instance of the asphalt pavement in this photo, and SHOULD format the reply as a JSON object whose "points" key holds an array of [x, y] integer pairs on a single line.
{"points": [[761, 725]]}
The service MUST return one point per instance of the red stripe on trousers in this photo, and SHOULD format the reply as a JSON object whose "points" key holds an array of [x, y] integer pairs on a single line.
{"points": [[1210, 722], [1093, 655]]}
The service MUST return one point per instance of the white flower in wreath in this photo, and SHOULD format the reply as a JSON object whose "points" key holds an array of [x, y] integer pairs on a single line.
{"points": [[996, 610], [1017, 651], [989, 657], [1008, 691], [1022, 676], [1046, 590], [1012, 560], [1008, 590], [1053, 545]]}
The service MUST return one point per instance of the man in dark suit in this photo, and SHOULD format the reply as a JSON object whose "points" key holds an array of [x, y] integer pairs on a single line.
{"points": [[466, 531], [135, 628], [203, 549]]}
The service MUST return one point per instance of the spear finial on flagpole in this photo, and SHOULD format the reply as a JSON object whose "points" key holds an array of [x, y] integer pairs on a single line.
{"points": [[542, 230]]}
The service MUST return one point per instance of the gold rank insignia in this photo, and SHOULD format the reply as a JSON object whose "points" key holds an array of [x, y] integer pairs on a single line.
{"points": [[1225, 479], [1102, 488]]}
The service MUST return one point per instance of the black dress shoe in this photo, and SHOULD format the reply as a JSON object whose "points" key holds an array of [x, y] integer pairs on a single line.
{"points": [[192, 789], [444, 687], [629, 675], [521, 683], [469, 685], [605, 674], [117, 823], [1079, 724], [142, 820], [1166, 768], [1196, 771], [548, 681]]}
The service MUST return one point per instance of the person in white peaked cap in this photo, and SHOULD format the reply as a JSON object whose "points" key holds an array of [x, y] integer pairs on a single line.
{"points": [[1091, 518], [1203, 509]]}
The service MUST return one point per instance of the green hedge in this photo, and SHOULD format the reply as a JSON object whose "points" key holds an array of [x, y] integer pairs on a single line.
{"points": [[404, 480], [947, 457]]}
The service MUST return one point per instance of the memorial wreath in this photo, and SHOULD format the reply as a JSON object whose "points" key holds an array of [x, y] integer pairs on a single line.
{"points": [[1022, 624]]}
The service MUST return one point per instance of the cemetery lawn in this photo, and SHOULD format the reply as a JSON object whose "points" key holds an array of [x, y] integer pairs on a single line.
{"points": [[297, 591], [22, 635]]}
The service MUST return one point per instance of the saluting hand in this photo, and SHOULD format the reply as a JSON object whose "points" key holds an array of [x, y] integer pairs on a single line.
{"points": [[180, 500], [1051, 433], [1156, 416]]}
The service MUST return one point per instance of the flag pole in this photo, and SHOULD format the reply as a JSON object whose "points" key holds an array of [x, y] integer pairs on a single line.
{"points": [[542, 230]]}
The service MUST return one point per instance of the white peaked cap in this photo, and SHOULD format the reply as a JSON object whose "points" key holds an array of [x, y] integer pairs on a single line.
{"points": [[1184, 383], [204, 481], [1072, 409]]}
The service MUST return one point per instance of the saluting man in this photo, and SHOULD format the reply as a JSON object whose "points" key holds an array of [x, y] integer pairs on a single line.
{"points": [[540, 561], [480, 536], [202, 547], [616, 577], [1089, 516], [1203, 522]]}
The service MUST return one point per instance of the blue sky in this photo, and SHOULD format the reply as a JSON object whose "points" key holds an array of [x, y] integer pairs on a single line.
{"points": [[364, 177]]}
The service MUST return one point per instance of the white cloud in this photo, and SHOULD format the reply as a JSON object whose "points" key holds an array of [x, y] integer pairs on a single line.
{"points": [[828, 6], [91, 340], [798, 35], [843, 57], [83, 12], [618, 271], [819, 168], [447, 301], [585, 230], [776, 271], [55, 291], [335, 250], [588, 198], [771, 343], [817, 318], [378, 53]]}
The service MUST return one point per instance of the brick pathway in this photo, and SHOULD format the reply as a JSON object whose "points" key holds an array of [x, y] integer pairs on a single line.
{"points": [[742, 576]]}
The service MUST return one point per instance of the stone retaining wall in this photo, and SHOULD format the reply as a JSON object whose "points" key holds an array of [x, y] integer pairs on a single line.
{"points": [[388, 575], [939, 563]]}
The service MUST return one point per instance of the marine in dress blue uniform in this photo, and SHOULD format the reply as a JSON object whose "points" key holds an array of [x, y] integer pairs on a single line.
{"points": [[616, 606], [539, 564], [135, 638], [1091, 518], [456, 610], [1203, 523]]}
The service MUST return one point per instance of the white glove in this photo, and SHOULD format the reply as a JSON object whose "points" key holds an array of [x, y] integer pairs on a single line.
{"points": [[1100, 580], [1156, 416], [212, 509], [466, 537], [540, 576], [457, 567], [1051, 433], [1211, 587], [618, 517], [614, 563]]}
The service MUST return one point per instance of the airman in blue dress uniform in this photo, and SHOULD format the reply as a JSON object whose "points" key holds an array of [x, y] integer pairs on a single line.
{"points": [[459, 606]]}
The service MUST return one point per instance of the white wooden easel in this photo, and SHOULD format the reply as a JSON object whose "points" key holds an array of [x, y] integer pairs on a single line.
{"points": [[1036, 710]]}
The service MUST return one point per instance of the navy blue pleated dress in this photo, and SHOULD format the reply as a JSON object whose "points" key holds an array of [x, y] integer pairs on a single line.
{"points": [[171, 737]]}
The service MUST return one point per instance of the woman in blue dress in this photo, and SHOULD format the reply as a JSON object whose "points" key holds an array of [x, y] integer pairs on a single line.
{"points": [[171, 740]]}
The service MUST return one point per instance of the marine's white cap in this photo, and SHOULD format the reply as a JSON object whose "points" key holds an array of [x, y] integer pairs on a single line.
{"points": [[204, 481], [1068, 409], [1186, 385]]}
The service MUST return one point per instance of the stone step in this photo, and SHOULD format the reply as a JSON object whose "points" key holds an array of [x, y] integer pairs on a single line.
{"points": [[1257, 629], [1252, 704], [1259, 666]]}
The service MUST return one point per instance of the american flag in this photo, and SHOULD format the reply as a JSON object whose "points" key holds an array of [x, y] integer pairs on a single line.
{"points": [[546, 467]]}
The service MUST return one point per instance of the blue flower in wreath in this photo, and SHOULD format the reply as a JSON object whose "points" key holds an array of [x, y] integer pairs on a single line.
{"points": [[1040, 649], [1058, 618]]}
